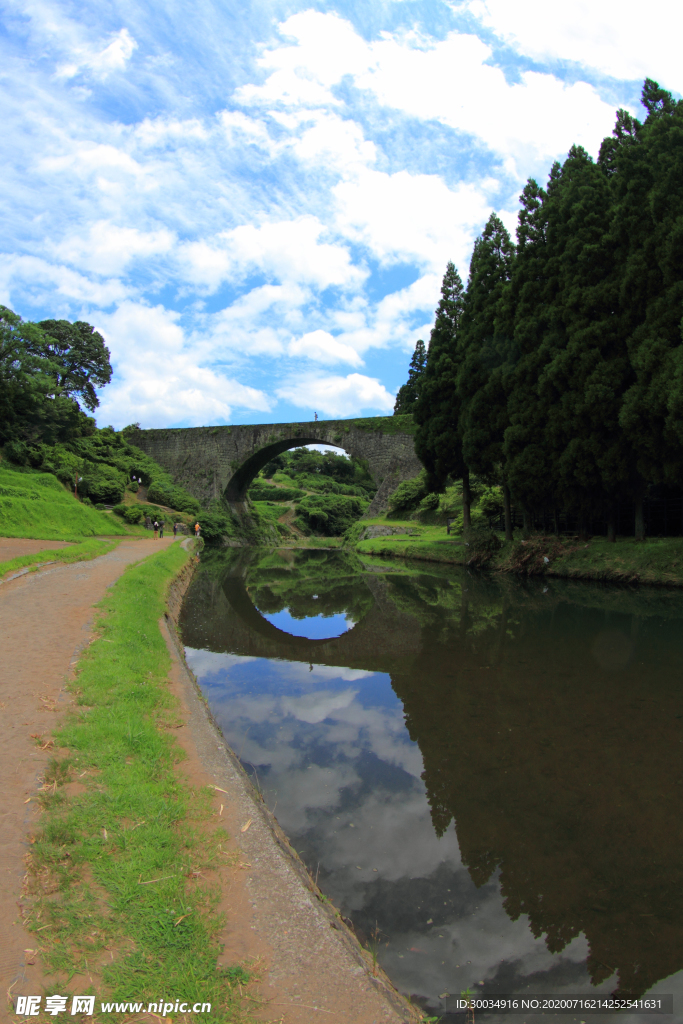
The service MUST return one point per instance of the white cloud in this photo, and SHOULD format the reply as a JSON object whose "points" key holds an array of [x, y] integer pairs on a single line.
{"points": [[158, 376], [54, 284], [92, 158], [101, 63], [327, 49], [435, 223], [316, 707], [447, 80], [337, 141], [535, 119], [108, 248], [323, 348], [338, 396], [286, 250], [606, 36], [161, 130]]}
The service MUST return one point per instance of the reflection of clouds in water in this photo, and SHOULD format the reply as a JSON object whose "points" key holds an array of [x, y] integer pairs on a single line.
{"points": [[391, 832], [316, 707], [207, 664], [368, 822], [500, 950]]}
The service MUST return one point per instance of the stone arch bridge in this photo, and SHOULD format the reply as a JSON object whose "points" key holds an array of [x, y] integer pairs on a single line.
{"points": [[220, 462]]}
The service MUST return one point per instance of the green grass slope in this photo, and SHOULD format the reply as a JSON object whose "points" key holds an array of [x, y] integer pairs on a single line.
{"points": [[34, 504]]}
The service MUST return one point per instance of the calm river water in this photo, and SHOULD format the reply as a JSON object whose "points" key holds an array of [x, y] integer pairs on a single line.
{"points": [[484, 773]]}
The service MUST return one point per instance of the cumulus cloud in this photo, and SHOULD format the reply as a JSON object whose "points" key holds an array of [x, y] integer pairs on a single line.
{"points": [[158, 377], [273, 225], [338, 396], [322, 347], [602, 36], [327, 49], [436, 223], [449, 80], [285, 250]]}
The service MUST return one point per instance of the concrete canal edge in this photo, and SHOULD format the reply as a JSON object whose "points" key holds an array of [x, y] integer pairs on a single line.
{"points": [[310, 962]]}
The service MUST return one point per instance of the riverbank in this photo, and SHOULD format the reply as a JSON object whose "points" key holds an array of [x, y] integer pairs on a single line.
{"points": [[137, 888], [658, 560]]}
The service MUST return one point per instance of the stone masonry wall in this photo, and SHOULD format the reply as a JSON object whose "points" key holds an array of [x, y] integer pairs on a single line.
{"points": [[215, 462]]}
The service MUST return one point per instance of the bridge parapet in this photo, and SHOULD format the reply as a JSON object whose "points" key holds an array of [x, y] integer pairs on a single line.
{"points": [[220, 462]]}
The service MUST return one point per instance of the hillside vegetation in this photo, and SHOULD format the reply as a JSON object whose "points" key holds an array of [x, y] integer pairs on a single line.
{"points": [[35, 504]]}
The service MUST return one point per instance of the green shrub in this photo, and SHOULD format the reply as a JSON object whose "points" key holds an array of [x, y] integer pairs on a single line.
{"points": [[134, 514], [214, 525], [17, 452], [408, 495], [166, 493], [491, 501], [102, 483], [331, 514]]}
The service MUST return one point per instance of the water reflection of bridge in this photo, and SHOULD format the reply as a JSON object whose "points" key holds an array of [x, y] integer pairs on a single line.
{"points": [[551, 729], [379, 642]]}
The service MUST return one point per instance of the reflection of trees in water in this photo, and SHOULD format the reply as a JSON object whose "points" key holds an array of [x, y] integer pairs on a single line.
{"points": [[314, 582], [559, 759], [547, 724]]}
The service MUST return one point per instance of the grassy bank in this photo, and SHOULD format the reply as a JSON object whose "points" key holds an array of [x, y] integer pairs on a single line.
{"points": [[82, 552], [37, 505], [658, 560], [115, 875]]}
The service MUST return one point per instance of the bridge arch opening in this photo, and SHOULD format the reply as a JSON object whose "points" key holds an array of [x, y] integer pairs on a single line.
{"points": [[237, 488]]}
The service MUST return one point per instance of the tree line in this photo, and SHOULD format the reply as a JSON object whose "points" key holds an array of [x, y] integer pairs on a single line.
{"points": [[557, 372]]}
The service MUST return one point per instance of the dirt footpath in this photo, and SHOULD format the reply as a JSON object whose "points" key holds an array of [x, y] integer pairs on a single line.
{"points": [[15, 547], [45, 621]]}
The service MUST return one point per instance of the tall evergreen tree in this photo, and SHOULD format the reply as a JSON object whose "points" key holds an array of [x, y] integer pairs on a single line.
{"points": [[483, 349], [437, 439], [525, 313], [409, 393], [586, 371], [648, 186]]}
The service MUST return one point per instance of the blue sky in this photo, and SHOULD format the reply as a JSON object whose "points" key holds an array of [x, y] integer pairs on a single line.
{"points": [[255, 202]]}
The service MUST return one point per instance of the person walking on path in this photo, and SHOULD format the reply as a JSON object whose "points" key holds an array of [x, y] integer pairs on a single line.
{"points": [[175, 529], [197, 528], [161, 530], [156, 529]]}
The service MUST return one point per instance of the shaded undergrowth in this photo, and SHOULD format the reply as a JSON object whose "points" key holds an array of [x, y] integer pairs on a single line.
{"points": [[117, 893]]}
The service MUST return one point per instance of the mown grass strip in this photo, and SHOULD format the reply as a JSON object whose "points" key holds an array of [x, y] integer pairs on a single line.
{"points": [[81, 552], [116, 887]]}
